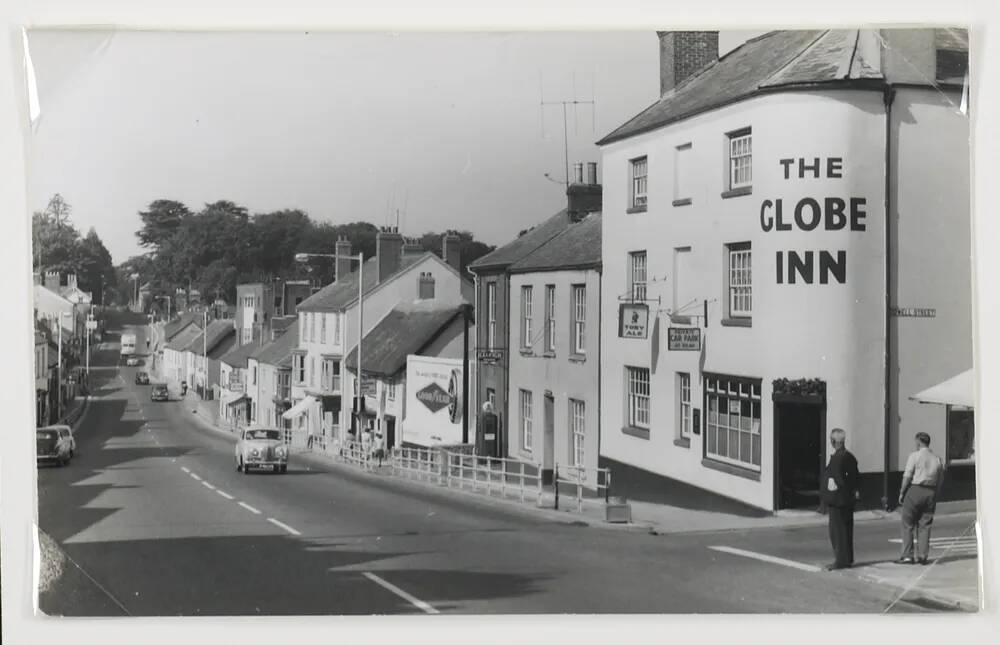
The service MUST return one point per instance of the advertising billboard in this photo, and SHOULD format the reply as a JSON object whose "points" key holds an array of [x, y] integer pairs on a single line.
{"points": [[433, 401]]}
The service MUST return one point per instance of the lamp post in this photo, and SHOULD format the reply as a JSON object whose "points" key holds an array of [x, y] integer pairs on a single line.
{"points": [[360, 259]]}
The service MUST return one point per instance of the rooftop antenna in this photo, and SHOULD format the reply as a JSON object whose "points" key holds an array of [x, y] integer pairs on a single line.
{"points": [[564, 103]]}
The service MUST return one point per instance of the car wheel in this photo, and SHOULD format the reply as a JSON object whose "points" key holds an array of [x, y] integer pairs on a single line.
{"points": [[284, 468], [246, 468]]}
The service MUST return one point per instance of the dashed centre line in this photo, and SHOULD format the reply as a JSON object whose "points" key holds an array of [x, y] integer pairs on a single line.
{"points": [[185, 469], [283, 526], [413, 600], [207, 485], [763, 557], [224, 494], [249, 508], [195, 477]]}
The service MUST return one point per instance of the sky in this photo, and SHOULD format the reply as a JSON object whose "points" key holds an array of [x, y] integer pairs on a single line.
{"points": [[445, 128]]}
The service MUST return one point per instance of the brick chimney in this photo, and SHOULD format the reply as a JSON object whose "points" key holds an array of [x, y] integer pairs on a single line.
{"points": [[682, 53], [388, 247], [52, 280], [451, 250], [342, 266], [412, 246], [584, 195], [426, 290]]}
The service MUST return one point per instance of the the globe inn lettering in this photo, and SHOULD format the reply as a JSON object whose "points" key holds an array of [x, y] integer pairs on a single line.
{"points": [[810, 214]]}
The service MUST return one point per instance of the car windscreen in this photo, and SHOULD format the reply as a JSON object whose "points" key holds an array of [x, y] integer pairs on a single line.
{"points": [[262, 434]]}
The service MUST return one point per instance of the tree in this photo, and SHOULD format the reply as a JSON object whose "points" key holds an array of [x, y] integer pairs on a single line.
{"points": [[94, 267], [160, 222]]}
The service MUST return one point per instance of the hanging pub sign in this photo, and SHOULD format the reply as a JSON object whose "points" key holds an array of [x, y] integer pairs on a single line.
{"points": [[683, 339], [633, 320]]}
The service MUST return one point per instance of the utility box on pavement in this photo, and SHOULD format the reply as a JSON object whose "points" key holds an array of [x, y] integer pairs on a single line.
{"points": [[617, 511]]}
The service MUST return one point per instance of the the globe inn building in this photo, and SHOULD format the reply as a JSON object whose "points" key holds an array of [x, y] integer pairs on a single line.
{"points": [[745, 215]]}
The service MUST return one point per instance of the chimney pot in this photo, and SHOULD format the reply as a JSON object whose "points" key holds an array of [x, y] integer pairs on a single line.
{"points": [[592, 173], [578, 173]]}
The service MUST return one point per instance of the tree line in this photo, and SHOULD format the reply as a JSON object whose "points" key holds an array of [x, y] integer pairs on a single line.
{"points": [[222, 245]]}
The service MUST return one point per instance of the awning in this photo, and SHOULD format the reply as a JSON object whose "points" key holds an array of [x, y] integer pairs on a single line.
{"points": [[299, 408], [958, 390], [229, 397]]}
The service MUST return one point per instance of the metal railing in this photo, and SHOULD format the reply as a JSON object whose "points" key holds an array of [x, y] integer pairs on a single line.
{"points": [[502, 476], [416, 463], [581, 479]]}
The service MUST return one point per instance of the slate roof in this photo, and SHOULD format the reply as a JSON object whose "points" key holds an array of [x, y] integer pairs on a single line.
{"points": [[337, 295], [237, 356], [171, 328], [183, 337], [405, 330], [218, 331], [520, 247], [279, 349], [773, 60], [578, 246]]}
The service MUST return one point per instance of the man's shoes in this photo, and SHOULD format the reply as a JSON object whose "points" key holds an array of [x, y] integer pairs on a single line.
{"points": [[906, 560], [833, 566], [922, 561]]}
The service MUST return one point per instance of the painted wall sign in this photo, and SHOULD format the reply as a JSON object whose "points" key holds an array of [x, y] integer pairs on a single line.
{"points": [[683, 339], [912, 312], [633, 320], [832, 213]]}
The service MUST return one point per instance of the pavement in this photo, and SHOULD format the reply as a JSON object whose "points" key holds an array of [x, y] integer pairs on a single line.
{"points": [[157, 521]]}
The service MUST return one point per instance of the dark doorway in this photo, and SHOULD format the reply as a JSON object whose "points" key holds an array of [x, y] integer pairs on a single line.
{"points": [[799, 433], [390, 432], [549, 437]]}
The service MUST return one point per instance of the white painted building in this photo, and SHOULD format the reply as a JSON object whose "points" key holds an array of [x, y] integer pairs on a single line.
{"points": [[754, 191]]}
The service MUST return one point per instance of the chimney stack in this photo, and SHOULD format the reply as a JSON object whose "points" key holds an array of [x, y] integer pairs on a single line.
{"points": [[412, 246], [451, 251], [583, 198], [52, 281], [388, 248], [426, 290], [342, 265], [682, 53]]}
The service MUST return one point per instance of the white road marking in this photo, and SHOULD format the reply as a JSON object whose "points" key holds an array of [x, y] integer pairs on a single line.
{"points": [[283, 525], [249, 508], [416, 602], [207, 485], [185, 469], [224, 494], [763, 557], [196, 477]]}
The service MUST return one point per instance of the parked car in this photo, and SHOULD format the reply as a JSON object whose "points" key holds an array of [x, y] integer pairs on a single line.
{"points": [[132, 361], [55, 444], [141, 378], [159, 392], [261, 448]]}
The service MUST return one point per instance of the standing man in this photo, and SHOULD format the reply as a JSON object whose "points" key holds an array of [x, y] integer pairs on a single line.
{"points": [[918, 496], [840, 486]]}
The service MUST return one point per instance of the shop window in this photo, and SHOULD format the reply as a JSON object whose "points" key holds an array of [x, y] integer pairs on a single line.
{"points": [[732, 432], [961, 435]]}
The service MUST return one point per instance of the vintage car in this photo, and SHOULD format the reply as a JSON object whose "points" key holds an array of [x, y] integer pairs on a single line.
{"points": [[259, 447], [141, 378], [55, 444], [159, 392], [132, 361]]}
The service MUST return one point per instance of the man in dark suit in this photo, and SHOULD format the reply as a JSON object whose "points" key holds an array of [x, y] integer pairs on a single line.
{"points": [[840, 486]]}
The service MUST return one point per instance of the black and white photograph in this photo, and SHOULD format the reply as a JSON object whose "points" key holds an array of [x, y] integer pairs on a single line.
{"points": [[366, 323]]}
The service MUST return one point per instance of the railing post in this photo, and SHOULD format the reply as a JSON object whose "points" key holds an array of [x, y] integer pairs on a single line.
{"points": [[579, 490], [538, 470], [555, 482], [503, 480], [521, 481]]}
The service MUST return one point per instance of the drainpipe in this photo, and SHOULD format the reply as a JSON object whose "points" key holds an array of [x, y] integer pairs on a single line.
{"points": [[888, 95], [600, 358]]}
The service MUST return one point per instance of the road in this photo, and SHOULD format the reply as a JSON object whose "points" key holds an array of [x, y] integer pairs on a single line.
{"points": [[159, 522]]}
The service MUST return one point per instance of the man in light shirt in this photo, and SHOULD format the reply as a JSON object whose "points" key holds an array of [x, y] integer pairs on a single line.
{"points": [[918, 496]]}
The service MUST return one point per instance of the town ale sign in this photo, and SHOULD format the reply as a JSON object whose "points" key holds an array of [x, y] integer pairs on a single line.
{"points": [[812, 214]]}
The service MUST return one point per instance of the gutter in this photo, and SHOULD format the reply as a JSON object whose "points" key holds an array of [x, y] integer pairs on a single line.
{"points": [[888, 95]]}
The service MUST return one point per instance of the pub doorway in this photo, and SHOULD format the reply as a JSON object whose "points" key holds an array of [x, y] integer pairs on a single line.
{"points": [[800, 450]]}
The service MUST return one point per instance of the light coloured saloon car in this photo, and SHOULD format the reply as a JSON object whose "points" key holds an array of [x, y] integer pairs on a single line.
{"points": [[54, 444], [259, 447]]}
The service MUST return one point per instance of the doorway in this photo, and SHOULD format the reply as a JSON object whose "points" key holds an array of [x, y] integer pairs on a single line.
{"points": [[549, 434], [800, 437], [390, 432]]}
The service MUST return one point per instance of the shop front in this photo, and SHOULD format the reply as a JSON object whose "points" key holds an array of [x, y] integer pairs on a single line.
{"points": [[957, 396]]}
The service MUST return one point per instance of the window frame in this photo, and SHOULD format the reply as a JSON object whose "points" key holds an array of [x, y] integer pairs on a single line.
{"points": [[322, 328], [527, 312], [578, 432], [634, 397], [491, 313], [739, 144], [638, 184], [550, 319], [578, 303], [684, 407], [526, 406], [744, 281], [681, 161], [743, 390], [638, 289]]}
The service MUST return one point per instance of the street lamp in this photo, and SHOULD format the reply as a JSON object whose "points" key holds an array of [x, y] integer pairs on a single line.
{"points": [[360, 259]]}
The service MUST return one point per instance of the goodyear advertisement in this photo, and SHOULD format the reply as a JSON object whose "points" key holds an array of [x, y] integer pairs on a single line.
{"points": [[433, 401]]}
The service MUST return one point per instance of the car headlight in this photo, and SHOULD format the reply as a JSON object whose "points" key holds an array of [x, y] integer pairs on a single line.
{"points": [[280, 451], [255, 452]]}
